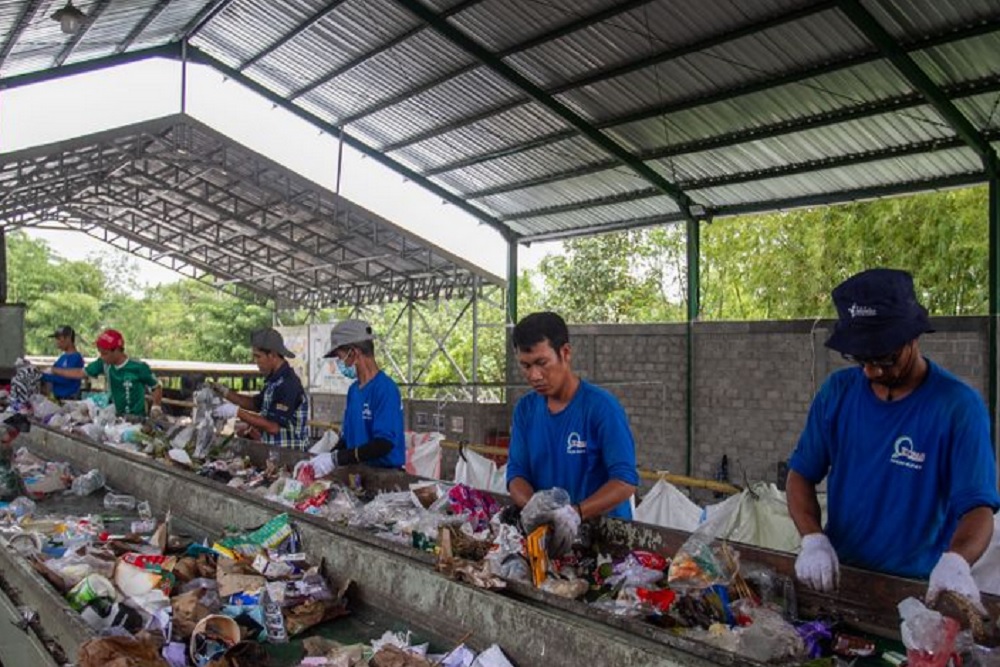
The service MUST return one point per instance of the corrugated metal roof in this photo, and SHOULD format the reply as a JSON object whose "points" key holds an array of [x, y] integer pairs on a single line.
{"points": [[178, 193], [548, 111]]}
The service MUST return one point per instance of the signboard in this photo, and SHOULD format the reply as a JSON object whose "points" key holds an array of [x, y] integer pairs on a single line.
{"points": [[309, 343]]}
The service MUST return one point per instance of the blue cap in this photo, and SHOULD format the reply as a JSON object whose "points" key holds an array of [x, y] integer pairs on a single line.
{"points": [[877, 314]]}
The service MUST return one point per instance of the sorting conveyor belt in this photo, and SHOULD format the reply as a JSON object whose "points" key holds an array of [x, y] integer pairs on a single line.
{"points": [[534, 627]]}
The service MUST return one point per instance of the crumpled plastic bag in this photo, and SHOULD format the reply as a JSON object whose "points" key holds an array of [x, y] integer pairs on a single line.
{"points": [[700, 563], [928, 635], [550, 507]]}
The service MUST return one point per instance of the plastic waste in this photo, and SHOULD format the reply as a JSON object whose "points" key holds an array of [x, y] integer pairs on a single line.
{"points": [[21, 506], [274, 622], [86, 484], [929, 636], [114, 501]]}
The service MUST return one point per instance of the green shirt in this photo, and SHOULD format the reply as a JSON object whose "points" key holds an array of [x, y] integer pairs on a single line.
{"points": [[127, 384]]}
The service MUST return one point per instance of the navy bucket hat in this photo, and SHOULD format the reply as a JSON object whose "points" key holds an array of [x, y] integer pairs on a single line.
{"points": [[877, 314]]}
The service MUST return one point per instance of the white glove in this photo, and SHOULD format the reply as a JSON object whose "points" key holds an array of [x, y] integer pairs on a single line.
{"points": [[952, 573], [565, 528], [321, 465], [155, 412], [220, 389], [225, 411], [817, 565]]}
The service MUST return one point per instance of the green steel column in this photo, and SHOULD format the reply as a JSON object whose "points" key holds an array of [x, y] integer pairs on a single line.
{"points": [[512, 281], [3, 265], [693, 311], [994, 278]]}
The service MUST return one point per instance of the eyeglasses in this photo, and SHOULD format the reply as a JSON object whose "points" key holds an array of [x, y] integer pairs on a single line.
{"points": [[885, 361]]}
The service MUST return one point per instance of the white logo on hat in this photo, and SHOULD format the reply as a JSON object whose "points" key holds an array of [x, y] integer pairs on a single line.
{"points": [[862, 311]]}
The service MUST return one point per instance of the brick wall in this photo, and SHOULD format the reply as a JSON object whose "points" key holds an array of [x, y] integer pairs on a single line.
{"points": [[753, 384]]}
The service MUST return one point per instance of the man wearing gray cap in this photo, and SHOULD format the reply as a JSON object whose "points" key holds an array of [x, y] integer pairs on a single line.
{"points": [[280, 413], [373, 417]]}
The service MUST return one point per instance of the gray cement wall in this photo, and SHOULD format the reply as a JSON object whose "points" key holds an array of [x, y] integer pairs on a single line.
{"points": [[753, 383]]}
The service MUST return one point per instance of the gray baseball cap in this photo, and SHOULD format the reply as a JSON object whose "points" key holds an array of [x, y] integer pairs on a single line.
{"points": [[346, 332], [270, 340]]}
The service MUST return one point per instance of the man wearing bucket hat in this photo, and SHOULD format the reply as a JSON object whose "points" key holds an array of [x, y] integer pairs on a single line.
{"points": [[373, 416], [127, 378], [279, 413], [904, 446]]}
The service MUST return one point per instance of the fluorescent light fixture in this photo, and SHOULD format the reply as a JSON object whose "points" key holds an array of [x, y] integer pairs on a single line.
{"points": [[697, 210], [70, 18]]}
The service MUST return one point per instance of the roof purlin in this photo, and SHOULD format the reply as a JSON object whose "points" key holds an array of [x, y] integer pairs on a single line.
{"points": [[464, 42], [872, 29]]}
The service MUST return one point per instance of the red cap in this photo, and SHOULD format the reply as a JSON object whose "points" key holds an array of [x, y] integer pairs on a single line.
{"points": [[110, 340]]}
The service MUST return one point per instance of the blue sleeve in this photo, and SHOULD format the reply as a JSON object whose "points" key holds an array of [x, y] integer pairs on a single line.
{"points": [[285, 401], [811, 457], [387, 414], [74, 360], [617, 443], [972, 478], [518, 463]]}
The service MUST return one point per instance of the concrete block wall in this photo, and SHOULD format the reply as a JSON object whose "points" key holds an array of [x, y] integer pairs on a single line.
{"points": [[753, 384]]}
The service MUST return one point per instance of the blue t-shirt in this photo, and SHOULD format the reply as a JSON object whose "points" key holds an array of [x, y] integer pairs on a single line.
{"points": [[901, 473], [578, 449], [65, 387], [376, 411]]}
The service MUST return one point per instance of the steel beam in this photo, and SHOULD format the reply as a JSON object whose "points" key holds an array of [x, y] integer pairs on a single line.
{"points": [[769, 131], [693, 270], [95, 12], [887, 45], [3, 264], [381, 48], [20, 23], [303, 27], [585, 22], [993, 330], [172, 50], [201, 19], [470, 46], [134, 33], [476, 212], [511, 283], [728, 94]]}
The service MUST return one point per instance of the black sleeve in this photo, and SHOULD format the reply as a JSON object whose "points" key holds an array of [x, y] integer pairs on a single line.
{"points": [[373, 450]]}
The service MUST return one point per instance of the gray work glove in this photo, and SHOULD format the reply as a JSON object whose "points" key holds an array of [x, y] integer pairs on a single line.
{"points": [[553, 507]]}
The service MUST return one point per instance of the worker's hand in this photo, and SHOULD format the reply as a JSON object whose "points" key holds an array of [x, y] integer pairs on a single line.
{"points": [[220, 389], [155, 412], [817, 565], [952, 573], [319, 466], [225, 411], [552, 506]]}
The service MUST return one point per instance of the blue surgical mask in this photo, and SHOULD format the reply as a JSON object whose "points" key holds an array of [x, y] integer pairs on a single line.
{"points": [[349, 372]]}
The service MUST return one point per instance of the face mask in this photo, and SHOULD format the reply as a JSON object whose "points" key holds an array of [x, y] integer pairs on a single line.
{"points": [[349, 372]]}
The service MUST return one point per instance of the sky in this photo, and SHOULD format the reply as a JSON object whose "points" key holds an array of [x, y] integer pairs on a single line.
{"points": [[87, 103]]}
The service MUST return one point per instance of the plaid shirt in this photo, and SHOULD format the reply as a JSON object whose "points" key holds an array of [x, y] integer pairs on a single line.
{"points": [[285, 402]]}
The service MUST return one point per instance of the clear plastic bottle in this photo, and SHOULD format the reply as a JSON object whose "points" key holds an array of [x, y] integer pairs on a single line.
{"points": [[114, 501], [86, 484]]}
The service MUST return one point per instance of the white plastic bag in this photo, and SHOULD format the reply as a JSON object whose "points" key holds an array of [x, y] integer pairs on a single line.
{"points": [[666, 505], [325, 444], [423, 454]]}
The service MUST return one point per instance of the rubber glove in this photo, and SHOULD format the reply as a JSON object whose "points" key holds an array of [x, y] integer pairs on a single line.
{"points": [[321, 465], [155, 412], [952, 573], [225, 411], [565, 528], [817, 565], [552, 506], [220, 389]]}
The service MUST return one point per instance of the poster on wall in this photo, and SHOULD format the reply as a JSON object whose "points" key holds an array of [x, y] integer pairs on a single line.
{"points": [[297, 342], [323, 374]]}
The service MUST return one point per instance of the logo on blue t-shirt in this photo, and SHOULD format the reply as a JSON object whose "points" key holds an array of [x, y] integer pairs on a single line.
{"points": [[904, 454], [366, 412], [574, 445]]}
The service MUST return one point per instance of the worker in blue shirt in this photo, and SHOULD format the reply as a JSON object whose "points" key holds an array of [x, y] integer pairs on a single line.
{"points": [[567, 433], [904, 447], [66, 389], [372, 430], [279, 413]]}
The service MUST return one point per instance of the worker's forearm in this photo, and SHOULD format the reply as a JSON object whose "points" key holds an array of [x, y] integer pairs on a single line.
{"points": [[520, 491], [259, 422], [803, 505], [611, 494], [241, 401], [973, 534], [70, 373], [157, 395]]}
